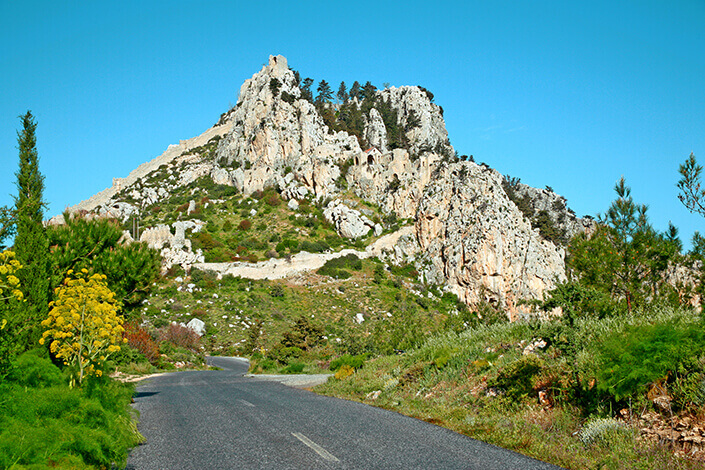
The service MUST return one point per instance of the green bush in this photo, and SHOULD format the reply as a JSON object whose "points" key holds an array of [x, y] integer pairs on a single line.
{"points": [[632, 358], [314, 247], [282, 246], [405, 270], [602, 431], [294, 368], [517, 378], [32, 370], [95, 245], [336, 267], [356, 362], [285, 354]]}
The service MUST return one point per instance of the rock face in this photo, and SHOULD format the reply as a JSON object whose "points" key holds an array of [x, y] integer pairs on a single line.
{"points": [[475, 240], [468, 235], [554, 205], [174, 248], [270, 134]]}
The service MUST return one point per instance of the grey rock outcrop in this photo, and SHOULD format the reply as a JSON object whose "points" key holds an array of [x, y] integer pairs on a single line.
{"points": [[270, 134], [197, 326], [392, 180], [554, 206], [475, 240], [175, 249], [423, 119], [349, 223], [375, 131]]}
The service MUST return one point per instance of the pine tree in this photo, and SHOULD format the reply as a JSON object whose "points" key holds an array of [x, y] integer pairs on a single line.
{"points": [[369, 92], [625, 257], [306, 89], [31, 244], [342, 93], [355, 90], [324, 92]]}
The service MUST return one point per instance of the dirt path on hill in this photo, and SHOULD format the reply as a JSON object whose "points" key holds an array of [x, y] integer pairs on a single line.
{"points": [[280, 268]]}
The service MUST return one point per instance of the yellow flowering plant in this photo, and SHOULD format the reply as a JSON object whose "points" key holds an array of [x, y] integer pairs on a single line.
{"points": [[83, 326], [9, 282], [11, 302]]}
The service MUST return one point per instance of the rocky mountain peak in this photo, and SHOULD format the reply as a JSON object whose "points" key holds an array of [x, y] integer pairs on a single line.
{"points": [[473, 234]]}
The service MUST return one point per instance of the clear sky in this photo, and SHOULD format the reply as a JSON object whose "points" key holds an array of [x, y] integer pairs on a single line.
{"points": [[567, 94]]}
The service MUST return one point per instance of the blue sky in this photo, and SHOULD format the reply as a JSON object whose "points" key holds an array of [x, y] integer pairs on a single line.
{"points": [[566, 94]]}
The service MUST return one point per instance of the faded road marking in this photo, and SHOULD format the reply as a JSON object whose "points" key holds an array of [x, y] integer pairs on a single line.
{"points": [[245, 402], [318, 449]]}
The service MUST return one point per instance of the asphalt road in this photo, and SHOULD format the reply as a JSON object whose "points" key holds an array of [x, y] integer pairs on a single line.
{"points": [[222, 420]]}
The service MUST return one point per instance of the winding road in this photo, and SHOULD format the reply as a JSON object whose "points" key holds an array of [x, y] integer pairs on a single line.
{"points": [[223, 420]]}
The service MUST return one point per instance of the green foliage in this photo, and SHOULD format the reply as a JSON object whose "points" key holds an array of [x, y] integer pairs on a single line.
{"points": [[314, 247], [285, 354], [274, 86], [31, 243], [407, 270], [46, 424], [692, 195], [355, 362], [7, 224], [337, 267], [517, 378], [342, 94], [294, 368], [12, 324], [403, 331], [638, 355], [303, 335], [324, 92], [305, 88], [578, 300], [34, 371], [625, 257], [287, 97], [95, 245], [548, 228], [602, 432]]}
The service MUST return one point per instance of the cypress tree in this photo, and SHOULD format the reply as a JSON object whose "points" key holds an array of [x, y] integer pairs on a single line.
{"points": [[31, 243]]}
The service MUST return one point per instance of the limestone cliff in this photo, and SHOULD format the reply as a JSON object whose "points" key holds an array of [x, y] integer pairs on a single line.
{"points": [[475, 240]]}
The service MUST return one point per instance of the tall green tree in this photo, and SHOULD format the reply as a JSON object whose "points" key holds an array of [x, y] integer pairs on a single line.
{"points": [[7, 225], [325, 93], [625, 256], [342, 94], [305, 88], [31, 243], [692, 195], [355, 90], [369, 91]]}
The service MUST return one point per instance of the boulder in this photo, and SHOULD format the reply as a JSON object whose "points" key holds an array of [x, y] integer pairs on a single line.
{"points": [[349, 223], [197, 326]]}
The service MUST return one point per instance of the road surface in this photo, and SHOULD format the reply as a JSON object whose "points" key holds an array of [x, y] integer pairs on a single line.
{"points": [[223, 420]]}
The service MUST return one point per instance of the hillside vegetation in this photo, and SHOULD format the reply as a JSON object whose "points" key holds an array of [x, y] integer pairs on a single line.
{"points": [[602, 365]]}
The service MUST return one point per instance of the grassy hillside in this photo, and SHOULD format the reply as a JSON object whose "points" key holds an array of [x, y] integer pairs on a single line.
{"points": [[549, 392]]}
